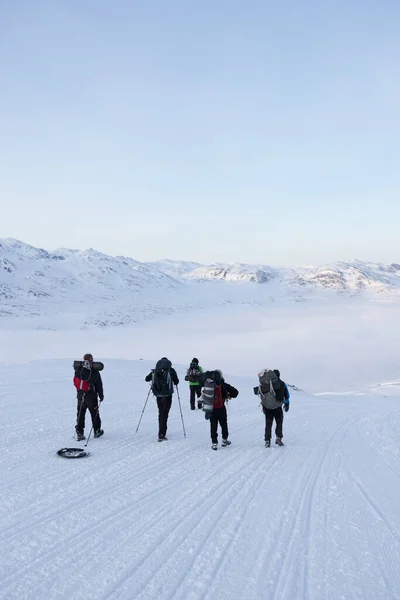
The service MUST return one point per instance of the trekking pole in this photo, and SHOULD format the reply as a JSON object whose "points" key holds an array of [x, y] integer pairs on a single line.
{"points": [[180, 408], [144, 408], [90, 433]]}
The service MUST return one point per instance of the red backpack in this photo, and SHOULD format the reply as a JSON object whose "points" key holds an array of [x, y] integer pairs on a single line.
{"points": [[82, 383], [218, 397]]}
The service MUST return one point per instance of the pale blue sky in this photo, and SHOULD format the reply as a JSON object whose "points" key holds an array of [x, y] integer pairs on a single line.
{"points": [[209, 130]]}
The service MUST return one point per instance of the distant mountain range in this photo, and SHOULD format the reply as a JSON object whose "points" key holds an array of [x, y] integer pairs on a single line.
{"points": [[74, 288]]}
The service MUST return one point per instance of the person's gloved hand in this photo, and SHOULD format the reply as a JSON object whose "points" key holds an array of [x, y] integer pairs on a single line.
{"points": [[207, 416], [286, 407], [101, 399]]}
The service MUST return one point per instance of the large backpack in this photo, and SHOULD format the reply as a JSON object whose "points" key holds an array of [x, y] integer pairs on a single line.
{"points": [[194, 375], [162, 385], [270, 389], [212, 396], [85, 376]]}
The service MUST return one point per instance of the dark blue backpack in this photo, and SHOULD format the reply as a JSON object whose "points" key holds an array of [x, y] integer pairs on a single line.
{"points": [[162, 385]]}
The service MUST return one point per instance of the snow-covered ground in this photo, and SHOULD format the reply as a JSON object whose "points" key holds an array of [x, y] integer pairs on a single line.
{"points": [[138, 520]]}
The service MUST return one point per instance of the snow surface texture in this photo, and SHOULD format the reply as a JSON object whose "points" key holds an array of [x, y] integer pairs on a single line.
{"points": [[140, 520]]}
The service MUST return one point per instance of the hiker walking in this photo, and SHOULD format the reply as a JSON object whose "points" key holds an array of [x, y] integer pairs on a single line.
{"points": [[215, 393], [89, 385], [273, 393], [193, 376], [163, 378]]}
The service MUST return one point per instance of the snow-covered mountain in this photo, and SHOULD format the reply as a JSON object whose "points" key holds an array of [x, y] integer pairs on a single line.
{"points": [[235, 273], [74, 288], [102, 288], [351, 276], [175, 268]]}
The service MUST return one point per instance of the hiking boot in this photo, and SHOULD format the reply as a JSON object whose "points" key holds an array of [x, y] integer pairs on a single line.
{"points": [[80, 436], [161, 438], [199, 405], [98, 433], [279, 442], [267, 443], [214, 447], [226, 443]]}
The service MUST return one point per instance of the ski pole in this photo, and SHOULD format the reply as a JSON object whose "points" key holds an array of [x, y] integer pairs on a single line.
{"points": [[144, 408], [180, 408]]}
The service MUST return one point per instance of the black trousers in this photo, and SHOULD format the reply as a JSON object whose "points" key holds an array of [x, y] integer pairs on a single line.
{"points": [[270, 415], [195, 390], [88, 401], [220, 416], [164, 405]]}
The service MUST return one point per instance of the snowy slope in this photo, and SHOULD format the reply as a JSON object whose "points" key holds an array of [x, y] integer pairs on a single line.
{"points": [[174, 268], [79, 288], [316, 520]]}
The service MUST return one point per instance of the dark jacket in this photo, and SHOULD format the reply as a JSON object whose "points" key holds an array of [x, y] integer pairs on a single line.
{"points": [[94, 380], [229, 391], [174, 376]]}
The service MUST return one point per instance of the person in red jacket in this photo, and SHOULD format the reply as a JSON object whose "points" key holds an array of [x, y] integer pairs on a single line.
{"points": [[215, 393], [88, 399]]}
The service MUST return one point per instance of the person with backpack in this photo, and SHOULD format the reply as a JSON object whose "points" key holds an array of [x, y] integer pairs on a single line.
{"points": [[89, 386], [215, 393], [273, 393], [193, 376], [163, 379]]}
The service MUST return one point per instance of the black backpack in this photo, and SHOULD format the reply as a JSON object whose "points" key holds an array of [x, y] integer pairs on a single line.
{"points": [[162, 385]]}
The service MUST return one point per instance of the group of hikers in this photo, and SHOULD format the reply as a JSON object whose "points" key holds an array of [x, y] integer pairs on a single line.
{"points": [[208, 387]]}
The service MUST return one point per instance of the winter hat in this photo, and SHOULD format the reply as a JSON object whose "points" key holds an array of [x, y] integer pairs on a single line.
{"points": [[220, 374], [277, 372], [88, 357], [195, 360]]}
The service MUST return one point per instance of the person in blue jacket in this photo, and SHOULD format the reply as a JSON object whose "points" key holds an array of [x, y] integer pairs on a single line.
{"points": [[277, 414]]}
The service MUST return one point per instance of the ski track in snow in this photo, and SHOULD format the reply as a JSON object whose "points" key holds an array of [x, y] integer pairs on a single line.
{"points": [[139, 520]]}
